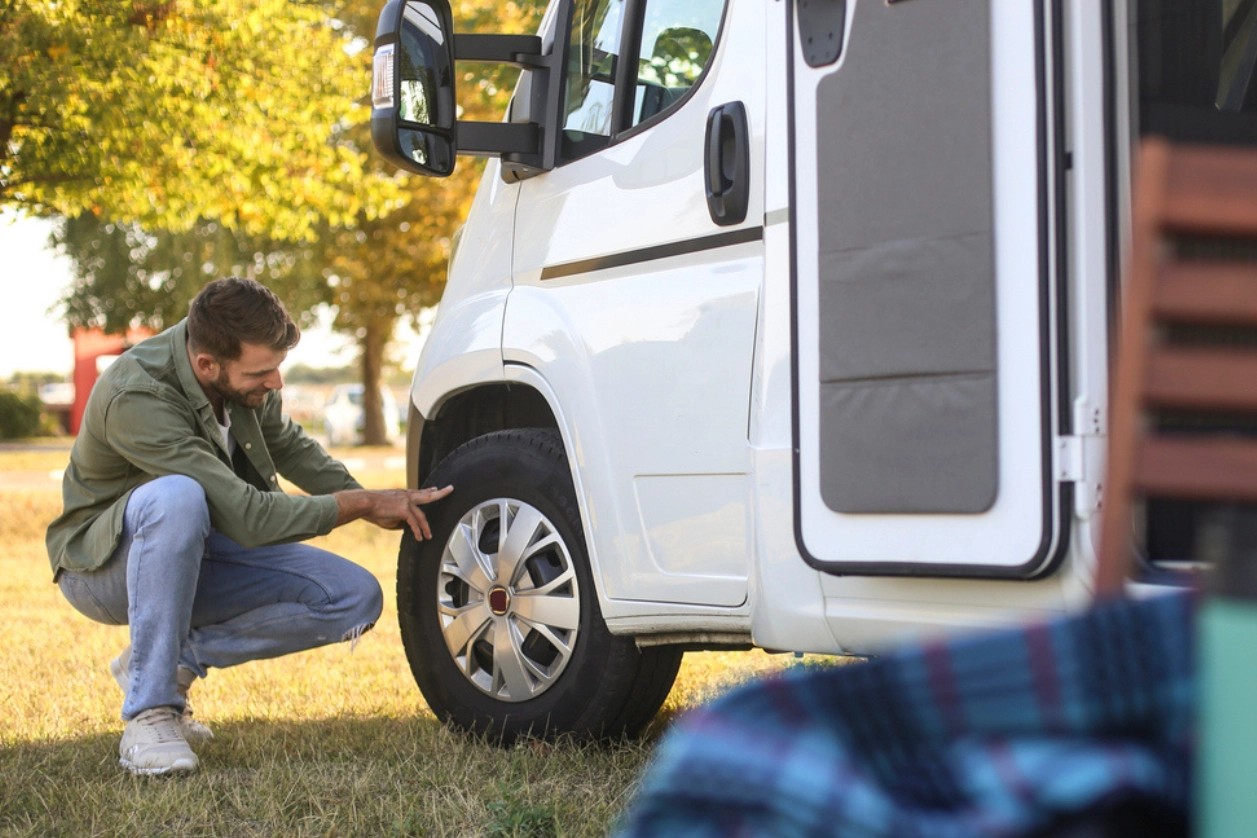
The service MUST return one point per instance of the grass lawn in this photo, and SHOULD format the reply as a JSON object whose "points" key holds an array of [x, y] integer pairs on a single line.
{"points": [[328, 742]]}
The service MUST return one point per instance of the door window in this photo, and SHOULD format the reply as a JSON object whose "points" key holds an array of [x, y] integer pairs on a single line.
{"points": [[669, 43], [677, 40], [591, 63], [1196, 64]]}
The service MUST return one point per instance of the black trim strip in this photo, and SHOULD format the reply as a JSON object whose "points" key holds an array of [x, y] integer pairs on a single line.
{"points": [[1112, 198], [1056, 522], [1062, 164], [650, 254]]}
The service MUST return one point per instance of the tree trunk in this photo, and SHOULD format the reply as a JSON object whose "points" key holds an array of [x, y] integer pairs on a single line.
{"points": [[374, 340]]}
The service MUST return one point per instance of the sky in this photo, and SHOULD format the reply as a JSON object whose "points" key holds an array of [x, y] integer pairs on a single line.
{"points": [[33, 338]]}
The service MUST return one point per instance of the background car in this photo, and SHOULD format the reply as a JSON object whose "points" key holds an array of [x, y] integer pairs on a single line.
{"points": [[343, 418]]}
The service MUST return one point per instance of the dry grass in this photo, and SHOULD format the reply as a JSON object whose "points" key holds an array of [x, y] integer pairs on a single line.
{"points": [[327, 742]]}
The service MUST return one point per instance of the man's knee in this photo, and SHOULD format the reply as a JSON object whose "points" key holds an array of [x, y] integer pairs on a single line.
{"points": [[367, 600], [372, 599], [173, 498]]}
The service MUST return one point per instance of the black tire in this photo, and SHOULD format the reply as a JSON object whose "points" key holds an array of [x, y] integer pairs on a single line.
{"points": [[527, 655], [654, 681]]}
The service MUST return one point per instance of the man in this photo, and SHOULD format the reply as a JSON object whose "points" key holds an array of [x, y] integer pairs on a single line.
{"points": [[174, 522]]}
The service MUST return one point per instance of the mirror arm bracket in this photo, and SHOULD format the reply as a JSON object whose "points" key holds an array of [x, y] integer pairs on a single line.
{"points": [[523, 51], [498, 138]]}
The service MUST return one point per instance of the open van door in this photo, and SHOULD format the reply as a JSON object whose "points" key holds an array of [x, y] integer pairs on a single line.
{"points": [[925, 389]]}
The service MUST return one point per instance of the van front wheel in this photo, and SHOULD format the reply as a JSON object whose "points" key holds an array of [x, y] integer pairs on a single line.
{"points": [[498, 612]]}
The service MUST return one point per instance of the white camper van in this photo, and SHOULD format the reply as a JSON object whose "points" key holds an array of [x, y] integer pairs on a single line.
{"points": [[775, 323]]}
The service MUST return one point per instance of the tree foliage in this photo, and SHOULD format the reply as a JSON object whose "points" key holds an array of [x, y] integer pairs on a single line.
{"points": [[376, 254], [19, 415], [125, 276], [164, 113]]}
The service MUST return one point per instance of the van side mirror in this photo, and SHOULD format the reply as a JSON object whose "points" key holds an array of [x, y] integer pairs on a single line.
{"points": [[412, 92], [414, 122]]}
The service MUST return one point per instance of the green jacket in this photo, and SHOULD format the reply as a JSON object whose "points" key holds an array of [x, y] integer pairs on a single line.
{"points": [[148, 417]]}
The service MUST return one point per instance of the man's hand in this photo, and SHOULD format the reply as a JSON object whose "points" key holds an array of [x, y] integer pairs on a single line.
{"points": [[391, 509]]}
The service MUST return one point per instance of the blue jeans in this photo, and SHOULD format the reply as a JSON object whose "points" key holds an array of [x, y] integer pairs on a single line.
{"points": [[196, 599]]}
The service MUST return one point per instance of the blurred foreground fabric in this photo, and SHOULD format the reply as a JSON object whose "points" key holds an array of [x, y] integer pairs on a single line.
{"points": [[1079, 727]]}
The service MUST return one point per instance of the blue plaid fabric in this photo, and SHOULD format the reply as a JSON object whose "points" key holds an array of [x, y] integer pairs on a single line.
{"points": [[1000, 734]]}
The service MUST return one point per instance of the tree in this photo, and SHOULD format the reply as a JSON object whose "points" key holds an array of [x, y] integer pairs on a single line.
{"points": [[389, 267], [380, 263], [126, 276], [166, 113]]}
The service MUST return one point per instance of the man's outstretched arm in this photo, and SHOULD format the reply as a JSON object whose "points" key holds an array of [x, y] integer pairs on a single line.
{"points": [[389, 508]]}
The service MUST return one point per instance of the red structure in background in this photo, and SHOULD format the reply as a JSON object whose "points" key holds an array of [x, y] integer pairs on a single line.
{"points": [[90, 346]]}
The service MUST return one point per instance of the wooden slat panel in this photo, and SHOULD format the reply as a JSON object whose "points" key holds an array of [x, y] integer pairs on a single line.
{"points": [[1213, 192], [1207, 293], [1202, 379], [1197, 468], [1182, 192]]}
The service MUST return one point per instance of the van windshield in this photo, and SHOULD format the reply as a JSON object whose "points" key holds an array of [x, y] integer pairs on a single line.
{"points": [[1194, 64]]}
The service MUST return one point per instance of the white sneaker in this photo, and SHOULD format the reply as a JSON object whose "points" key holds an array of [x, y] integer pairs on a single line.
{"points": [[194, 731], [154, 744]]}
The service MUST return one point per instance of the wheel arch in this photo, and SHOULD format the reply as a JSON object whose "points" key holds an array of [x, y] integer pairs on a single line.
{"points": [[467, 414], [525, 399]]}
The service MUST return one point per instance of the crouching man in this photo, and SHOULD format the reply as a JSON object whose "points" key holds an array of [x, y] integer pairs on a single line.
{"points": [[174, 522]]}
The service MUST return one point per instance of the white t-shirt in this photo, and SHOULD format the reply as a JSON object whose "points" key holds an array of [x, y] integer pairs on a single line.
{"points": [[224, 428]]}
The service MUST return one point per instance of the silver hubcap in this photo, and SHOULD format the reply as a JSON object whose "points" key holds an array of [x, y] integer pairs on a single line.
{"points": [[507, 599]]}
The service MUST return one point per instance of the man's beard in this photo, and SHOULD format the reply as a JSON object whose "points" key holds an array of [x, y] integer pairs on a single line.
{"points": [[243, 398]]}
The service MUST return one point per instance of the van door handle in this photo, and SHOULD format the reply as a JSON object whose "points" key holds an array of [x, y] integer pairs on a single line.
{"points": [[728, 164]]}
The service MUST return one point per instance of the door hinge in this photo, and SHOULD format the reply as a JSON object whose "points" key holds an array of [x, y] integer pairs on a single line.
{"points": [[1070, 463], [1080, 458]]}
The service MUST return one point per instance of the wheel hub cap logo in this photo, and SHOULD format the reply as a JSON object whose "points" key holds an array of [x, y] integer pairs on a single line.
{"points": [[499, 601]]}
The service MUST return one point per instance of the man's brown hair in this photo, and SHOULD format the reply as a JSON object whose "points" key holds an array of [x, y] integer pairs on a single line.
{"points": [[231, 311]]}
